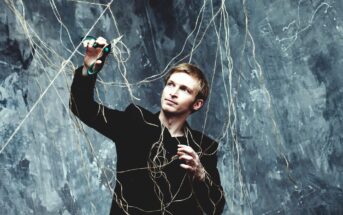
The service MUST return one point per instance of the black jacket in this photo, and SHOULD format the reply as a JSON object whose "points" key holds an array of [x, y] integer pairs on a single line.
{"points": [[149, 178]]}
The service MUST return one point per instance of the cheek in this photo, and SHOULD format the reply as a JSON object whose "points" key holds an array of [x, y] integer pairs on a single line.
{"points": [[164, 91], [189, 100]]}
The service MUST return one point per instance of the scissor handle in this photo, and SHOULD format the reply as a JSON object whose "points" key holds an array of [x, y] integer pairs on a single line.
{"points": [[105, 51]]}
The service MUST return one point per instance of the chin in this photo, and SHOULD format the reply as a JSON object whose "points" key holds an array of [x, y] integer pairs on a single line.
{"points": [[173, 111], [168, 110]]}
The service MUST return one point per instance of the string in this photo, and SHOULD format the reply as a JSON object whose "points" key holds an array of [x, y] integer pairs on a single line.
{"points": [[222, 67], [51, 82]]}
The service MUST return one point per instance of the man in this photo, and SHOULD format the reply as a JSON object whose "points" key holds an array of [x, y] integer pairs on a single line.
{"points": [[163, 166]]}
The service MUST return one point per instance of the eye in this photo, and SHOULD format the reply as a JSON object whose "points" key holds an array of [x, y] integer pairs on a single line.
{"points": [[185, 89], [170, 84]]}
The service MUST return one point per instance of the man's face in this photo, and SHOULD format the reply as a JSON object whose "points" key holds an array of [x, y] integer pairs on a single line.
{"points": [[179, 94]]}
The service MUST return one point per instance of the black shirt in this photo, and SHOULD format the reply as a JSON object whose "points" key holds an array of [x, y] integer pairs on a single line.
{"points": [[149, 177]]}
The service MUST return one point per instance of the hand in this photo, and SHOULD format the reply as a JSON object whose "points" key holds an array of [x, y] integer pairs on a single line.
{"points": [[191, 162], [93, 54]]}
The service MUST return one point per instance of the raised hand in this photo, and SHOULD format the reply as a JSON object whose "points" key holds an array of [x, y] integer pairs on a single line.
{"points": [[96, 52]]}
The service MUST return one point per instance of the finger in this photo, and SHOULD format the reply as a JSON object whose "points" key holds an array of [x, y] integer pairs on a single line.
{"points": [[90, 43], [97, 64], [186, 149], [87, 41], [186, 158], [186, 167], [181, 145], [101, 41]]}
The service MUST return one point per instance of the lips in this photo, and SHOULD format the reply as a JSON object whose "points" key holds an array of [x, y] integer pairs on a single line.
{"points": [[170, 101]]}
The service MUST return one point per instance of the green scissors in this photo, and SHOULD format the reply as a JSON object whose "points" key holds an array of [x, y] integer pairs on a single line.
{"points": [[105, 51]]}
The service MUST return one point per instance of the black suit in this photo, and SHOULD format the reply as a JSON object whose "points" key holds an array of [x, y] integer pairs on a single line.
{"points": [[149, 177]]}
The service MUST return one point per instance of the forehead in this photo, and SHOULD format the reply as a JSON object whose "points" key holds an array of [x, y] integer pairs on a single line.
{"points": [[185, 79]]}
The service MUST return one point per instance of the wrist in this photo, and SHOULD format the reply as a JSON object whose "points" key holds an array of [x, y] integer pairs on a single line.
{"points": [[84, 70], [200, 175]]}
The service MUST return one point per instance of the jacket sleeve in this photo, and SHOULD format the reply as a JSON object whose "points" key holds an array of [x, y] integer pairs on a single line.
{"points": [[210, 193], [108, 122]]}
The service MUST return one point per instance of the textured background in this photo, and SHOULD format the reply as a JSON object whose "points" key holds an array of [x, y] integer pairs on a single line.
{"points": [[276, 103]]}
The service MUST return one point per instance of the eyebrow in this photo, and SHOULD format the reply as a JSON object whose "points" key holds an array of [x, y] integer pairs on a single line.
{"points": [[181, 86], [187, 88]]}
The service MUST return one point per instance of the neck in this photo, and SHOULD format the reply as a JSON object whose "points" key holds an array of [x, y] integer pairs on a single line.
{"points": [[174, 123]]}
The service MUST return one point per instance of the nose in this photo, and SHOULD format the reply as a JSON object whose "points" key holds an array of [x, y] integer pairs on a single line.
{"points": [[173, 92]]}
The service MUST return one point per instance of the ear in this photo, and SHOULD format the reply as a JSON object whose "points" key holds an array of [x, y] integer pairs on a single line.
{"points": [[197, 104]]}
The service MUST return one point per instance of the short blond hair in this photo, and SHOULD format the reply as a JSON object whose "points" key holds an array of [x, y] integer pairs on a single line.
{"points": [[195, 72]]}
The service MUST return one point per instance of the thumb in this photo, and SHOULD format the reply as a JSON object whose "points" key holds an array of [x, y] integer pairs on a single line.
{"points": [[97, 65]]}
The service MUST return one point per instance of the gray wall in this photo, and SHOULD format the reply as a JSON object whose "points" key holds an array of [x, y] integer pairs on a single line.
{"points": [[275, 105]]}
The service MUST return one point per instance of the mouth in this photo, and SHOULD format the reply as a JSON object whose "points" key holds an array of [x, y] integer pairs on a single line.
{"points": [[170, 101]]}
